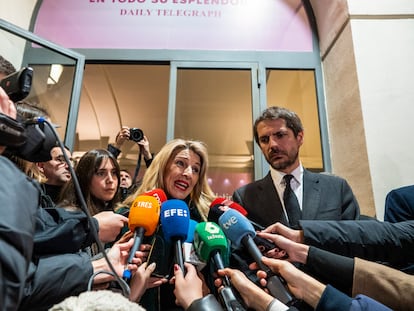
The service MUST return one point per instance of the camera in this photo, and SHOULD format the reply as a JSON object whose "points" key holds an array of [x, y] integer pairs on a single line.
{"points": [[18, 84], [136, 134]]}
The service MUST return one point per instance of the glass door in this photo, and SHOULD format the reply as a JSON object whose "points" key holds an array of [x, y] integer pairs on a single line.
{"points": [[213, 104], [57, 75]]}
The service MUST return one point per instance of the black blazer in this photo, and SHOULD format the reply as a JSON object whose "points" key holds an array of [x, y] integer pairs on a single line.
{"points": [[399, 204], [325, 197]]}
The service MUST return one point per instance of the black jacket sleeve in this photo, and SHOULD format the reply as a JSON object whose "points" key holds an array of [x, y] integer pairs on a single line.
{"points": [[54, 278], [334, 300], [60, 231], [207, 303], [391, 243], [331, 268], [19, 199]]}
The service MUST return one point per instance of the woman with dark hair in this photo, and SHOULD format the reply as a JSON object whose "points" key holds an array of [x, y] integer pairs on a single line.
{"points": [[98, 174]]}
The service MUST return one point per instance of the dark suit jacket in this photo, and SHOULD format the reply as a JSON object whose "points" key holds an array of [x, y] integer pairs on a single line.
{"points": [[399, 204], [325, 197]]}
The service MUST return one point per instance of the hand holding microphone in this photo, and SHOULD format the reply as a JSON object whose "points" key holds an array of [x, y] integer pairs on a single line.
{"points": [[143, 219], [241, 232], [210, 243], [221, 205], [175, 221]]}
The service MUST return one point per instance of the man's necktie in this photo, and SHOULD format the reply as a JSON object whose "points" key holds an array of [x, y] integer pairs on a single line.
{"points": [[291, 203]]}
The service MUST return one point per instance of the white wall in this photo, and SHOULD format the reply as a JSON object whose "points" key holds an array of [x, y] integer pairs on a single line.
{"points": [[383, 34]]}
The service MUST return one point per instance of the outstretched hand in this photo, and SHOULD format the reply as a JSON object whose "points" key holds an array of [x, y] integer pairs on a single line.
{"points": [[291, 234], [253, 296], [301, 285], [296, 252], [187, 288]]}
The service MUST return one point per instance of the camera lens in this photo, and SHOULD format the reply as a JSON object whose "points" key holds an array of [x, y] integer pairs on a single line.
{"points": [[136, 134]]}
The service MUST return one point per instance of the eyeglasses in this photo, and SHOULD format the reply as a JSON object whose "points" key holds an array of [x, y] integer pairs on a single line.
{"points": [[61, 160]]}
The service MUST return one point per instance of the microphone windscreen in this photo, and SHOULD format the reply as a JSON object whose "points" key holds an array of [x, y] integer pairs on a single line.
{"points": [[209, 237], [235, 226], [145, 213], [218, 207], [157, 193], [218, 200], [238, 207], [216, 211], [191, 228], [175, 219]]}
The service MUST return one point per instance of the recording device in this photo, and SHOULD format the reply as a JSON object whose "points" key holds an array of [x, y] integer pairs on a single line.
{"points": [[136, 134], [30, 140], [18, 84], [240, 231], [210, 243], [221, 205], [175, 221], [143, 220]]}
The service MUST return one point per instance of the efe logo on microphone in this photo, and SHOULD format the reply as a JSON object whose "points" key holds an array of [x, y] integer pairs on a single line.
{"points": [[175, 212]]}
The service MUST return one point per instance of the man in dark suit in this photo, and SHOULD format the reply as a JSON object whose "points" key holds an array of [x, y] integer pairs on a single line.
{"points": [[279, 134], [399, 204]]}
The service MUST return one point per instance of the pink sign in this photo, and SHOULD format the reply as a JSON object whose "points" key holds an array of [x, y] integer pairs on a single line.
{"points": [[233, 25]]}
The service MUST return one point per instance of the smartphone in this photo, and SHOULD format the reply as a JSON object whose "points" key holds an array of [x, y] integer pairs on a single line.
{"points": [[18, 84], [161, 254]]}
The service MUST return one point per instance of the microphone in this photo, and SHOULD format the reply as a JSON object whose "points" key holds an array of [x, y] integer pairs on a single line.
{"points": [[221, 205], [175, 222], [210, 243], [189, 253], [239, 231], [157, 193], [143, 219], [191, 228]]}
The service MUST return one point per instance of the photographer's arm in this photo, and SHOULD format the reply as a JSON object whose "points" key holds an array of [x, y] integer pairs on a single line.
{"points": [[121, 137], [145, 150]]}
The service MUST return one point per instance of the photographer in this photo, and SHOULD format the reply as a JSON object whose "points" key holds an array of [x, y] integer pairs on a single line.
{"points": [[16, 236], [143, 143], [144, 149]]}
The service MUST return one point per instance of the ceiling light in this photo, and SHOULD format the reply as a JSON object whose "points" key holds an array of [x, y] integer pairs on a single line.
{"points": [[54, 75]]}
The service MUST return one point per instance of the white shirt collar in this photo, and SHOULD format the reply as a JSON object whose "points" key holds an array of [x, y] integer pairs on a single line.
{"points": [[277, 176]]}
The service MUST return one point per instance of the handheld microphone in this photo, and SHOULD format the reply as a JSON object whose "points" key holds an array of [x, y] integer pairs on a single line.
{"points": [[221, 205], [210, 243], [191, 228], [157, 193], [175, 221], [239, 231], [143, 219]]}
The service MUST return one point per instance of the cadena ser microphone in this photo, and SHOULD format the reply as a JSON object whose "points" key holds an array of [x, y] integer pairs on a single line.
{"points": [[175, 221], [157, 193], [239, 231], [143, 219], [221, 205], [210, 243]]}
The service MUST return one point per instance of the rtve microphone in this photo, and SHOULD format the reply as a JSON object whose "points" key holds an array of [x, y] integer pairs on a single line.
{"points": [[175, 221], [239, 231], [221, 205], [143, 219], [210, 243]]}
